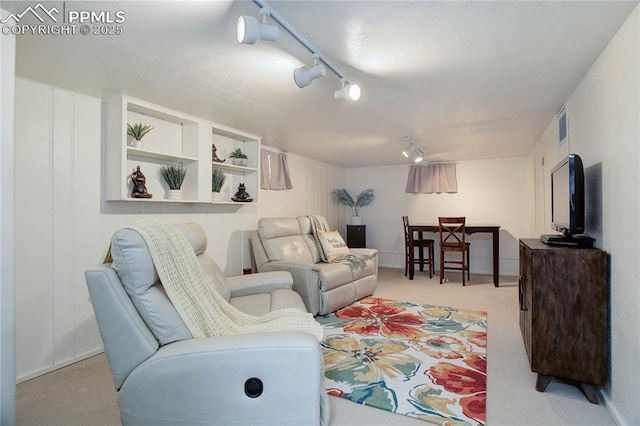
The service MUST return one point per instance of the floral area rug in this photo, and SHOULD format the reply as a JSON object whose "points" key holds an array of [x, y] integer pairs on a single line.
{"points": [[422, 361]]}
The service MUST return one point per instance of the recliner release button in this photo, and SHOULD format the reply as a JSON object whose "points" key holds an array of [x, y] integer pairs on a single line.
{"points": [[253, 387]]}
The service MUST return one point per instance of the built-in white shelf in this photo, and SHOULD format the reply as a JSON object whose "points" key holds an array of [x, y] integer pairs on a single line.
{"points": [[176, 139], [159, 155]]}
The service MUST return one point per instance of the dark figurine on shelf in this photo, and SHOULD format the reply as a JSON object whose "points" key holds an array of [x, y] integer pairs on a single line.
{"points": [[242, 196], [139, 189], [214, 156]]}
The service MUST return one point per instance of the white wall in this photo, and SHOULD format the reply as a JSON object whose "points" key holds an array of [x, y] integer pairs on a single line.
{"points": [[7, 332], [63, 225], [604, 117], [489, 192]]}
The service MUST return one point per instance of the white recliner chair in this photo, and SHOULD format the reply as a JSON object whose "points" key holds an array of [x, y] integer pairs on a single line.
{"points": [[288, 244], [165, 377]]}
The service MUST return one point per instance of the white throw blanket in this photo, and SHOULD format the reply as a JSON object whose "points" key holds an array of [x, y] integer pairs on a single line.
{"points": [[204, 311]]}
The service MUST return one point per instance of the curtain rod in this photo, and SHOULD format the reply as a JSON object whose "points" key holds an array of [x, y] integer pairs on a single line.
{"points": [[272, 149], [434, 162]]}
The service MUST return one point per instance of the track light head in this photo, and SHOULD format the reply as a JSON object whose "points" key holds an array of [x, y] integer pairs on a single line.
{"points": [[413, 152], [304, 76], [351, 92], [249, 30]]}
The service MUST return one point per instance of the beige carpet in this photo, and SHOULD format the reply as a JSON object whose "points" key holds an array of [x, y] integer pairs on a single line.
{"points": [[83, 394]]}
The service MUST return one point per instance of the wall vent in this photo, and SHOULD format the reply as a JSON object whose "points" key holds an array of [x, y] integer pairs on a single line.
{"points": [[563, 126]]}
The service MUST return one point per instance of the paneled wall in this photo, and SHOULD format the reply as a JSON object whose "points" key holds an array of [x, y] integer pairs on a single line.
{"points": [[63, 225], [57, 225], [489, 192]]}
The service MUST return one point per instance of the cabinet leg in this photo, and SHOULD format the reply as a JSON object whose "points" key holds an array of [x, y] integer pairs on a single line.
{"points": [[542, 382], [590, 392]]}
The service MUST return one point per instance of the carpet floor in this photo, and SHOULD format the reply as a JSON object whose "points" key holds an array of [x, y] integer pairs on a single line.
{"points": [[83, 393]]}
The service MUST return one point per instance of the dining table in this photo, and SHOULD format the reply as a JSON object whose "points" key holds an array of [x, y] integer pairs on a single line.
{"points": [[492, 229]]}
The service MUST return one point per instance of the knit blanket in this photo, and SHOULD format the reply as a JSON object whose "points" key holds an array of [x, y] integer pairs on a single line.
{"points": [[204, 311]]}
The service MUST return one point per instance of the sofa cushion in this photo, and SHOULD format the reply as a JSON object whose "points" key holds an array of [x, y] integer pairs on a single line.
{"points": [[333, 275], [263, 303], [214, 275], [278, 227], [333, 245], [133, 264], [292, 249], [281, 240]]}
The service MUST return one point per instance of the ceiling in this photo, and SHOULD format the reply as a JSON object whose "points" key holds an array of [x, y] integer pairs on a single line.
{"points": [[463, 79]]}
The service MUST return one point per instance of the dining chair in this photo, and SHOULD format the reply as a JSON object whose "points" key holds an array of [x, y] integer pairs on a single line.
{"points": [[452, 239], [410, 243]]}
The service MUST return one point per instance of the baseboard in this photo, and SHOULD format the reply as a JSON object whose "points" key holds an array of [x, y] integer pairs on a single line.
{"points": [[611, 408], [40, 372]]}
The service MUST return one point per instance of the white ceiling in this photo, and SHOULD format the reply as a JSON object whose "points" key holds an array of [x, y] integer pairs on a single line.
{"points": [[464, 80]]}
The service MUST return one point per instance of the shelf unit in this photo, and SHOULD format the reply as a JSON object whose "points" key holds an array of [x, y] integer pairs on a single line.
{"points": [[176, 139], [226, 142]]}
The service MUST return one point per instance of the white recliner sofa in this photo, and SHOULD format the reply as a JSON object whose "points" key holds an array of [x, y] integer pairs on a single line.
{"points": [[165, 377], [288, 244]]}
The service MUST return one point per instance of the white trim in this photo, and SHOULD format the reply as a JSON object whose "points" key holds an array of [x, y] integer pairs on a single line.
{"points": [[7, 287], [49, 369]]}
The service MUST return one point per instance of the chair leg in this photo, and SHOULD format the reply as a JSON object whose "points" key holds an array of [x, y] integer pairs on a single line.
{"points": [[468, 265], [421, 257], [441, 266], [406, 264], [430, 261], [463, 268]]}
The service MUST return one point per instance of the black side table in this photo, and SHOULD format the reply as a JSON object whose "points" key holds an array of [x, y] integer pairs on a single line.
{"points": [[357, 236]]}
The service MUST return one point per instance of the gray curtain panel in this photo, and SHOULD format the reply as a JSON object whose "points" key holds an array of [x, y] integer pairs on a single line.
{"points": [[432, 178], [274, 172]]}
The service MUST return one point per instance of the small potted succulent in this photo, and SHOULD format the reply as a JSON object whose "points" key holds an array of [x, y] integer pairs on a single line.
{"points": [[238, 157], [174, 177], [218, 178], [137, 132]]}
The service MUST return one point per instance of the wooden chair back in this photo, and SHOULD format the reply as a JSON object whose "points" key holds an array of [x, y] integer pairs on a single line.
{"points": [[405, 222], [452, 233], [411, 240]]}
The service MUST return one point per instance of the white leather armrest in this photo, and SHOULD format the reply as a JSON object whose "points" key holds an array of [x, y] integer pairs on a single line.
{"points": [[305, 280], [293, 267], [264, 282], [364, 251], [203, 380]]}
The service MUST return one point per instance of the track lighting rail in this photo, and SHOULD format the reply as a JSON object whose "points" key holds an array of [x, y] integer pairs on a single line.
{"points": [[303, 41]]}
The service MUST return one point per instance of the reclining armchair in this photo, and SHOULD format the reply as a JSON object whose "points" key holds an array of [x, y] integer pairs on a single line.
{"points": [[165, 377], [288, 244]]}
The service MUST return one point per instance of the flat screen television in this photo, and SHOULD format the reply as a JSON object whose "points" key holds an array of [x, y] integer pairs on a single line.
{"points": [[567, 203]]}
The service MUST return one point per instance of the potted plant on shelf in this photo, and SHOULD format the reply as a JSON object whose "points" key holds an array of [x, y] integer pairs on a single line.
{"points": [[218, 179], [174, 177], [137, 132], [363, 199], [238, 157]]}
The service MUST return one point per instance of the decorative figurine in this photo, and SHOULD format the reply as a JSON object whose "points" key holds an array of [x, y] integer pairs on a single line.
{"points": [[242, 196], [214, 156], [139, 189]]}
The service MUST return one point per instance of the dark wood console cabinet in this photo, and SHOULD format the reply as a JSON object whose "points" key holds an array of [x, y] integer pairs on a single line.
{"points": [[563, 314]]}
